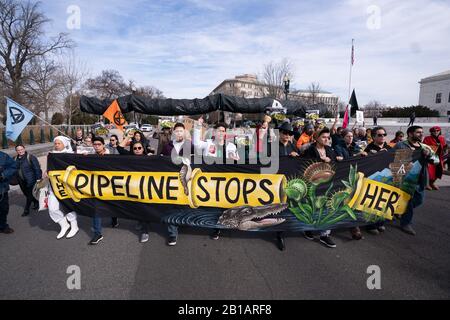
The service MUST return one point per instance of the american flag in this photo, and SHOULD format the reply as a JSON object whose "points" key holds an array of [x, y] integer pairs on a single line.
{"points": [[353, 53]]}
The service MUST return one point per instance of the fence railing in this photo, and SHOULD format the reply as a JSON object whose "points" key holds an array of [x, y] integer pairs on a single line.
{"points": [[41, 134]]}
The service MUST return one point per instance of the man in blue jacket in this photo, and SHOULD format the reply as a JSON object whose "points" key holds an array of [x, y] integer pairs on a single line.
{"points": [[28, 173], [8, 169]]}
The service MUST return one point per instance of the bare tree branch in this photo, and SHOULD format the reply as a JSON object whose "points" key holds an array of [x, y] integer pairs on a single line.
{"points": [[273, 76], [22, 40]]}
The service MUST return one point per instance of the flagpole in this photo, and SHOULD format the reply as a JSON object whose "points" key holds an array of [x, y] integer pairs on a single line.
{"points": [[64, 134], [351, 68]]}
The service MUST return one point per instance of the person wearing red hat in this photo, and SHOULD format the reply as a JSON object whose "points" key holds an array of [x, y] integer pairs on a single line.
{"points": [[437, 142]]}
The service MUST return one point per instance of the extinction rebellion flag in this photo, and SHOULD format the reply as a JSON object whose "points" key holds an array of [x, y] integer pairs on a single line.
{"points": [[115, 116], [300, 195]]}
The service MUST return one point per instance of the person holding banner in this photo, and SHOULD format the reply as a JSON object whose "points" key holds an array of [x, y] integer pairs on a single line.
{"points": [[66, 221], [100, 150], [136, 149], [177, 147], [217, 148], [8, 169], [414, 142], [378, 144], [347, 149], [322, 152]]}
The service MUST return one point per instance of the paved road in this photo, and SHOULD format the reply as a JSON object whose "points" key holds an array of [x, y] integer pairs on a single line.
{"points": [[240, 265]]}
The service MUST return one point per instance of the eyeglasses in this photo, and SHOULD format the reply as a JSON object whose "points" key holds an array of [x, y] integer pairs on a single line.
{"points": [[435, 130], [381, 135], [137, 148], [98, 144]]}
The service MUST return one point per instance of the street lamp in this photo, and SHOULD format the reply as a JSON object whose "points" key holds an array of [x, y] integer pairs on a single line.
{"points": [[287, 83]]}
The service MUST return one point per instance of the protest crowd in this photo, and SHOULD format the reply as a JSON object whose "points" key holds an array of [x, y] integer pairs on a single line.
{"points": [[309, 139]]}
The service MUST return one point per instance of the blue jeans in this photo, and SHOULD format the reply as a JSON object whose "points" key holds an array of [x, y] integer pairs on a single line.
{"points": [[173, 230], [415, 201], [97, 224], [4, 210]]}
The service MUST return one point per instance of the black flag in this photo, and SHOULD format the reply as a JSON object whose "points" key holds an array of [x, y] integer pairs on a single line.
{"points": [[354, 103]]}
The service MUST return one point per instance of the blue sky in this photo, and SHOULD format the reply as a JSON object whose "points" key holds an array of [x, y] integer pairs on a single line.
{"points": [[186, 48]]}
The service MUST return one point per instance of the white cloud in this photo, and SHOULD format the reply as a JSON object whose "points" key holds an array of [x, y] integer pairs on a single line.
{"points": [[187, 52]]}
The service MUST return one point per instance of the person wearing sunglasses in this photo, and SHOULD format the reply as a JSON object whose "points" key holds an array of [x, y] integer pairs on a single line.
{"points": [[437, 143], [112, 145], [379, 141], [287, 148], [136, 149], [378, 144]]}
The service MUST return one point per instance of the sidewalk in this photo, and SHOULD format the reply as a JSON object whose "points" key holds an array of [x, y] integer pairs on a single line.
{"points": [[36, 150]]}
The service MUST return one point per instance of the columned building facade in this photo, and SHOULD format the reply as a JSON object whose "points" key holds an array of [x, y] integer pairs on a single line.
{"points": [[435, 92]]}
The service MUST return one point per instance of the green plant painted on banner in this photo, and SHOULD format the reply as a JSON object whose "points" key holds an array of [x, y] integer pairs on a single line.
{"points": [[320, 210]]}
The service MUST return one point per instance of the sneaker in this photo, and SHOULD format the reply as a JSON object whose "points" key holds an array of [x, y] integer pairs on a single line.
{"points": [[114, 222], [373, 231], [308, 235], [144, 238], [215, 235], [96, 239], [328, 242], [25, 213], [172, 241], [381, 228], [408, 229], [7, 230]]}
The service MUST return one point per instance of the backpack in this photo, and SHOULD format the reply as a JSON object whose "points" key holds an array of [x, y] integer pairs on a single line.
{"points": [[15, 179]]}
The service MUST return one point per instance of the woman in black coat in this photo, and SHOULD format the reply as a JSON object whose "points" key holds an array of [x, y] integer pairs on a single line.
{"points": [[28, 173]]}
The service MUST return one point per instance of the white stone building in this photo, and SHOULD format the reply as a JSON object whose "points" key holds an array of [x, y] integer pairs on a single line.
{"points": [[248, 86], [435, 92]]}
